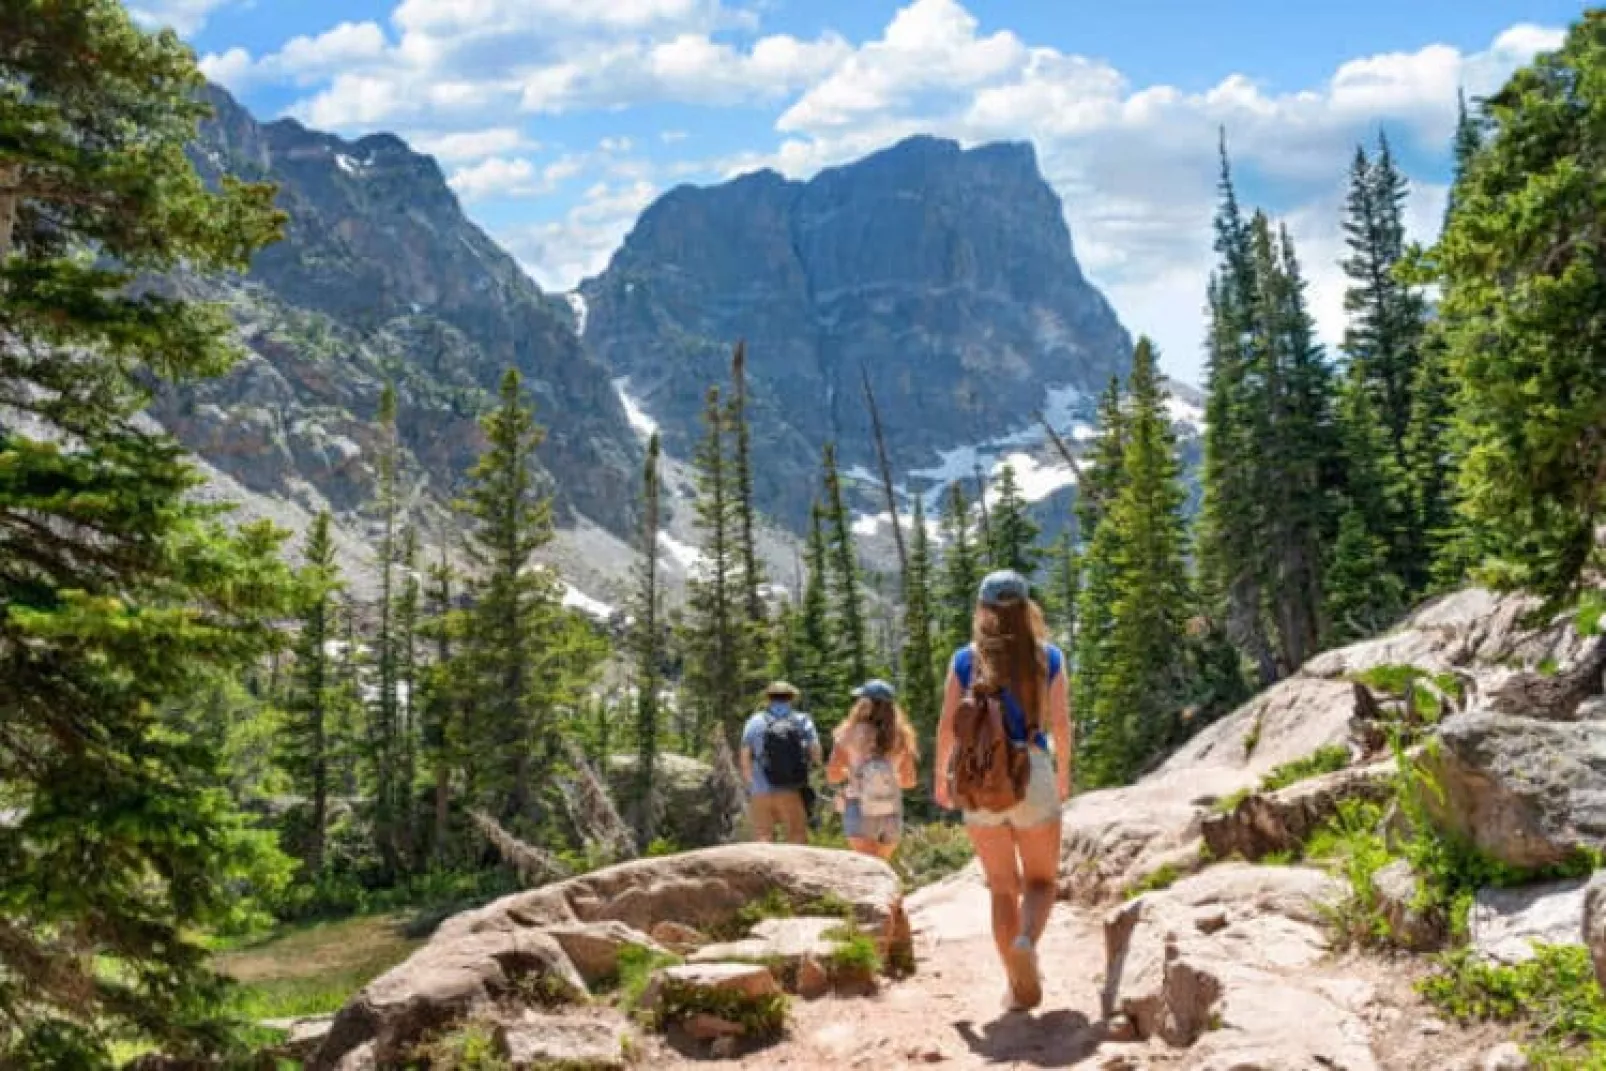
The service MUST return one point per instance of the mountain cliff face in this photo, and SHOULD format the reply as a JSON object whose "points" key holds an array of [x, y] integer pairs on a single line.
{"points": [[381, 277], [945, 276]]}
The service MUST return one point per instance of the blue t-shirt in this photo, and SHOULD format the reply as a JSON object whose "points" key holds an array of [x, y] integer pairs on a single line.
{"points": [[753, 739], [1014, 716]]}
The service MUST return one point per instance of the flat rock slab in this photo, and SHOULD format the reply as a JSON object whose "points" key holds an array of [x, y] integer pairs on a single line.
{"points": [[1506, 922], [748, 979], [783, 941], [540, 1041]]}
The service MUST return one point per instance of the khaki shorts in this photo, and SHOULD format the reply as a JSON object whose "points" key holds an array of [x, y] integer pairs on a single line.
{"points": [[1041, 803]]}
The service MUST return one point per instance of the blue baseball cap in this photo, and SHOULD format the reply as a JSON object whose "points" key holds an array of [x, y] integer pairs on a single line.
{"points": [[1006, 585], [875, 689]]}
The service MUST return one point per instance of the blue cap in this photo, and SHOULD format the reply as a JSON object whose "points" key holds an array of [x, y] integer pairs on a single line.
{"points": [[1006, 585], [875, 689]]}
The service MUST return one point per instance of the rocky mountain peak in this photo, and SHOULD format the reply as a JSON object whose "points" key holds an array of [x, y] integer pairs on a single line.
{"points": [[943, 274]]}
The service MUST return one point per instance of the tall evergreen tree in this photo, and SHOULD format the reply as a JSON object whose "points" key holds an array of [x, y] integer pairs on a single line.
{"points": [[511, 630], [121, 596], [1384, 339], [1231, 539], [440, 705], [1064, 590], [1101, 474], [754, 636], [922, 696], [314, 693], [847, 607], [1524, 320], [384, 750], [815, 673], [647, 644], [1014, 533], [1142, 684], [409, 607], [1371, 504], [713, 685], [961, 570]]}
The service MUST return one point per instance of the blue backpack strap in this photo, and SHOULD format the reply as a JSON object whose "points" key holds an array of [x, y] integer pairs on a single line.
{"points": [[1056, 662], [964, 663]]}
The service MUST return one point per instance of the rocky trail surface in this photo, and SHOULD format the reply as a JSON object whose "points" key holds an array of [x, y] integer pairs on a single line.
{"points": [[1177, 943]]}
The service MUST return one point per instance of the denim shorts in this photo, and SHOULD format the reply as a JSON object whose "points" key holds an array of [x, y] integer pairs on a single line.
{"points": [[878, 829], [1040, 804]]}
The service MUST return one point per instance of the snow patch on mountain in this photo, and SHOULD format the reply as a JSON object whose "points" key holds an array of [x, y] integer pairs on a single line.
{"points": [[1036, 480], [575, 599], [643, 425], [577, 304]]}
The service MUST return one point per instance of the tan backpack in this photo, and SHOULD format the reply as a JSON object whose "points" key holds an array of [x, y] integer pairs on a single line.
{"points": [[988, 772]]}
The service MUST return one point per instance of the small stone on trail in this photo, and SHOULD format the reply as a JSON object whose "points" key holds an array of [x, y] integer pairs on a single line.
{"points": [[1507, 1057], [1432, 1027], [812, 979], [1121, 1028]]}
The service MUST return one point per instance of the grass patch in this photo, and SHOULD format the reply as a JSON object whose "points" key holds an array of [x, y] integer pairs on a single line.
{"points": [[929, 853], [1401, 682], [1588, 616], [1554, 997], [1229, 803], [470, 1046], [1324, 760], [313, 969], [761, 1018], [854, 953], [1162, 877], [1252, 738], [636, 967]]}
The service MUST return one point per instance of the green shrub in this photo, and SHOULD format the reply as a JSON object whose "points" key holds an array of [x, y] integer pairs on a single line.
{"points": [[1324, 760], [636, 966], [761, 1018], [929, 853], [470, 1046], [1162, 877], [1351, 844], [1555, 996], [854, 953], [1229, 803]]}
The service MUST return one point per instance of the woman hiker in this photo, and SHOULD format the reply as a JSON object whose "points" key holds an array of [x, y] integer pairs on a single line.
{"points": [[875, 752], [1019, 848]]}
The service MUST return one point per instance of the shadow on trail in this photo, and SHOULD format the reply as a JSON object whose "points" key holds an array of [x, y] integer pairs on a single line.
{"points": [[1061, 1038]]}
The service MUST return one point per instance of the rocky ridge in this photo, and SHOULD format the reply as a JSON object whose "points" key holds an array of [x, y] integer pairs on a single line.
{"points": [[946, 276]]}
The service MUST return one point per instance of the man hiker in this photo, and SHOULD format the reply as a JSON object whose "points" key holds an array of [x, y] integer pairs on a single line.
{"points": [[779, 744]]}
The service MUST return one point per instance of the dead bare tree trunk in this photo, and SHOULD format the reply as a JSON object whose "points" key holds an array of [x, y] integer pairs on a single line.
{"points": [[886, 479], [10, 178], [1064, 450]]}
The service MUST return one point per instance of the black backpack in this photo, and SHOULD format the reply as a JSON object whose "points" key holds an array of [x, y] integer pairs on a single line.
{"points": [[785, 752]]}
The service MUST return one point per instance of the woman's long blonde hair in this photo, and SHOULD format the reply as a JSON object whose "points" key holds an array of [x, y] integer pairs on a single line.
{"points": [[891, 732], [1009, 640]]}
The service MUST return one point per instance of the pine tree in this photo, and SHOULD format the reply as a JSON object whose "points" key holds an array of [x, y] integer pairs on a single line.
{"points": [[922, 697], [384, 750], [647, 647], [1143, 676], [1363, 597], [713, 686], [1370, 499], [816, 642], [124, 597], [315, 689], [847, 608], [441, 701], [1101, 473], [1064, 590], [755, 633], [409, 600], [1384, 339], [512, 636], [961, 570], [1524, 321], [1014, 533]]}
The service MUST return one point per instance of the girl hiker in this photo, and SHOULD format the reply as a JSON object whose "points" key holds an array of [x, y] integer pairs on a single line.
{"points": [[1005, 696], [875, 751]]}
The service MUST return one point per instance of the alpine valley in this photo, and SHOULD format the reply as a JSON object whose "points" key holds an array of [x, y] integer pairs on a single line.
{"points": [[941, 278]]}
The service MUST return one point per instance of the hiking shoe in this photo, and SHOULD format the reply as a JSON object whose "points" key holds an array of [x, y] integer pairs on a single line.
{"points": [[1025, 985]]}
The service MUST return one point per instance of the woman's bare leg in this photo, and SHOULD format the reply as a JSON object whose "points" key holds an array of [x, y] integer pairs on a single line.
{"points": [[995, 847], [1040, 866]]}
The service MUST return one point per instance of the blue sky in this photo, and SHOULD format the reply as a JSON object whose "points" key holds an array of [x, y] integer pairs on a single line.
{"points": [[557, 121]]}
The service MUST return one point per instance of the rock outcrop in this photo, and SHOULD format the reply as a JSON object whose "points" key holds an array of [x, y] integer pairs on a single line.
{"points": [[1263, 824], [944, 275], [1506, 923], [689, 805], [1220, 963], [555, 945]]}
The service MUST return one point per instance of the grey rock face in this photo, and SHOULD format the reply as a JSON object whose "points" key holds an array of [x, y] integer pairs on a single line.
{"points": [[1527, 791], [381, 277], [1595, 924], [946, 276]]}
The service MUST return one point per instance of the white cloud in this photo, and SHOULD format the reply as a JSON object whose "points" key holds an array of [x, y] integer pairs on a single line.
{"points": [[472, 144], [304, 60], [503, 177], [185, 16], [557, 255]]}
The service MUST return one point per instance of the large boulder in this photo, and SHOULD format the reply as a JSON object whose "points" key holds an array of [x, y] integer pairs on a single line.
{"points": [[544, 946], [1506, 923], [1595, 924], [1528, 791], [690, 814], [1223, 962]]}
